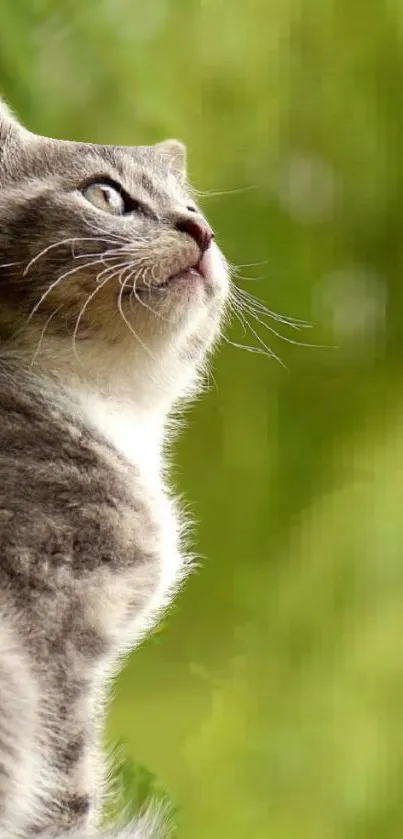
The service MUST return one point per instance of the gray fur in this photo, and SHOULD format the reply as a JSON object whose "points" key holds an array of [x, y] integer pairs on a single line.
{"points": [[89, 537]]}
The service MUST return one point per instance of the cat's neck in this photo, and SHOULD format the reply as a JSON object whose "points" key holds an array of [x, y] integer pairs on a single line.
{"points": [[123, 401], [135, 433], [123, 375]]}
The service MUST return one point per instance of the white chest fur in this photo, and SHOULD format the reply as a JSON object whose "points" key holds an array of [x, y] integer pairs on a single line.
{"points": [[138, 438]]}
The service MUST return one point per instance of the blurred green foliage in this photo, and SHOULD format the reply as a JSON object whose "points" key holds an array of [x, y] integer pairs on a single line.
{"points": [[272, 703]]}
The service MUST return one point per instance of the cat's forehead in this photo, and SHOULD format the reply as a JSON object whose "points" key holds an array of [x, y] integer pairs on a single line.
{"points": [[140, 170]]}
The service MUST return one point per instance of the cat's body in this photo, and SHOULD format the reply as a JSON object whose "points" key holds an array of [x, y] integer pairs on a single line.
{"points": [[106, 315]]}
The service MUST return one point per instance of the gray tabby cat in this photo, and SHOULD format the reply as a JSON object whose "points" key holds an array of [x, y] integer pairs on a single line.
{"points": [[112, 291]]}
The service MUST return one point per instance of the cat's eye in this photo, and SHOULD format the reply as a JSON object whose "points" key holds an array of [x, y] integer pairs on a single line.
{"points": [[106, 197]]}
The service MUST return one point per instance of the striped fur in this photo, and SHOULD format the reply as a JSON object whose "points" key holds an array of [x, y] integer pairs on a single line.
{"points": [[92, 365]]}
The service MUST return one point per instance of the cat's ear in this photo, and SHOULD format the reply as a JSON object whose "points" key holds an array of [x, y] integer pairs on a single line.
{"points": [[174, 153]]}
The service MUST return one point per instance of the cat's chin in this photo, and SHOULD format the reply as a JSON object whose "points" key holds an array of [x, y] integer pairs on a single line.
{"points": [[181, 321], [197, 285]]}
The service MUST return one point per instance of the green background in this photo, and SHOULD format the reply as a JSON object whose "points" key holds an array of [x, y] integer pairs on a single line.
{"points": [[270, 703]]}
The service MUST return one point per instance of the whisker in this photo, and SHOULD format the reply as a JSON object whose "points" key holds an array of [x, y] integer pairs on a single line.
{"points": [[143, 303], [243, 319], [152, 277], [261, 310], [140, 278], [127, 267], [72, 239], [239, 315], [218, 193], [10, 264], [278, 334], [42, 335], [91, 225], [107, 253], [241, 295], [234, 268], [90, 297], [115, 237], [248, 279], [57, 281], [129, 326], [113, 268], [256, 350]]}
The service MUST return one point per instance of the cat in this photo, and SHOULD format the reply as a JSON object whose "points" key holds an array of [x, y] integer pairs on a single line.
{"points": [[112, 296]]}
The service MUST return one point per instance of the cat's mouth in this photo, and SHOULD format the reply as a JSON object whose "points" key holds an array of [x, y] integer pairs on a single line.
{"points": [[192, 274], [203, 274]]}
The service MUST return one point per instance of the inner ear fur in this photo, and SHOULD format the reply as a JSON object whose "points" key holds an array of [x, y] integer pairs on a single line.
{"points": [[174, 152]]}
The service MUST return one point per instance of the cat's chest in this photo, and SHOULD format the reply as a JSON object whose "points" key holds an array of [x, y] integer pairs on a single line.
{"points": [[135, 435], [136, 439]]}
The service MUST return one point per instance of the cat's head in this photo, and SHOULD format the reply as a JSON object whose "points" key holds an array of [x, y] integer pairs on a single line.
{"points": [[106, 263]]}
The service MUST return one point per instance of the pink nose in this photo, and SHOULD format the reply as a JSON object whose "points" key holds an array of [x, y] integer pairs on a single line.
{"points": [[198, 229]]}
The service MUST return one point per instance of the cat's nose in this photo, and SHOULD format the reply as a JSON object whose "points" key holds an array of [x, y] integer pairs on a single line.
{"points": [[196, 227]]}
